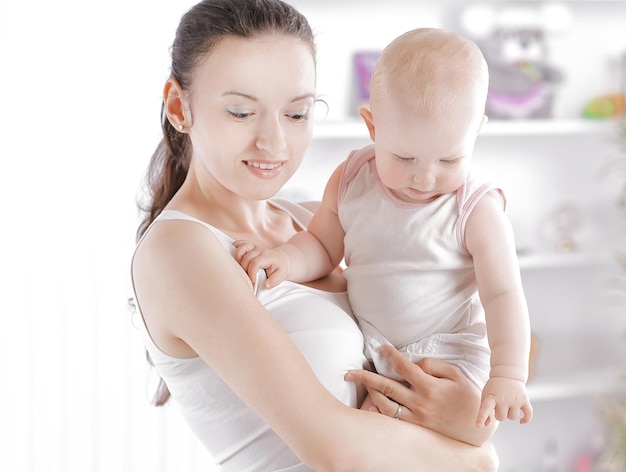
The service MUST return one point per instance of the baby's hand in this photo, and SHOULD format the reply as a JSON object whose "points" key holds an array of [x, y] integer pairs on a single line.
{"points": [[252, 258], [508, 398]]}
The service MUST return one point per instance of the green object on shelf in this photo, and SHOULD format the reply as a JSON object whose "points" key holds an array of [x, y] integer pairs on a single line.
{"points": [[606, 106]]}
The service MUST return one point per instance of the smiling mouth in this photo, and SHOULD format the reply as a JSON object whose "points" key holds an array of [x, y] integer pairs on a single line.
{"points": [[263, 165]]}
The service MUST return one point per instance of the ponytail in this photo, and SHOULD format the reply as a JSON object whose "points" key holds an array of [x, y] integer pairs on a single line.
{"points": [[166, 172]]}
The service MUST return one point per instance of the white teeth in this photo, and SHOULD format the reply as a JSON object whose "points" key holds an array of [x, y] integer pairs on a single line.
{"points": [[263, 165]]}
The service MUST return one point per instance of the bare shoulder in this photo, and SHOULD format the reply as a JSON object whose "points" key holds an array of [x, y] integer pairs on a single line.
{"points": [[331, 192], [179, 269], [169, 240], [488, 222], [489, 207], [181, 247]]}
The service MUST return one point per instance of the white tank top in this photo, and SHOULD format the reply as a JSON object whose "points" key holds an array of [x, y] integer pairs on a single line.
{"points": [[319, 324]]}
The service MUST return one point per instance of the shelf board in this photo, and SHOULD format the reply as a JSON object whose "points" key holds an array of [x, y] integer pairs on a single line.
{"points": [[556, 260], [355, 129], [602, 381], [545, 127]]}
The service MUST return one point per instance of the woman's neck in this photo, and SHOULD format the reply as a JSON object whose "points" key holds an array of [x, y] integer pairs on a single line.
{"points": [[240, 218]]}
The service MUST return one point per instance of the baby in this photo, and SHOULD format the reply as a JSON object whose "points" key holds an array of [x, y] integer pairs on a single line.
{"points": [[430, 255]]}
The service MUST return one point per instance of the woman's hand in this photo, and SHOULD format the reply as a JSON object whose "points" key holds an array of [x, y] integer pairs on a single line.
{"points": [[437, 396]]}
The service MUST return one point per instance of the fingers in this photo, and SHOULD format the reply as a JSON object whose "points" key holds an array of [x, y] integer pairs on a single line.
{"points": [[486, 407], [527, 410], [502, 411], [424, 370], [375, 383], [441, 369], [242, 246], [254, 258], [245, 251], [379, 403], [368, 404], [513, 413], [405, 368], [274, 277]]}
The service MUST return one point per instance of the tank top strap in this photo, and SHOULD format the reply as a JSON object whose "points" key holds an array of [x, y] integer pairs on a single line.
{"points": [[300, 215], [179, 215]]}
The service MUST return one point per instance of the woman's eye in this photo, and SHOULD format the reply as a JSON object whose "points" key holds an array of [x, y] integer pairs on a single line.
{"points": [[302, 116], [239, 114]]}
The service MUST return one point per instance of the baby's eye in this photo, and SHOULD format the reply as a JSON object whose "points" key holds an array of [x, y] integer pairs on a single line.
{"points": [[451, 162], [402, 159]]}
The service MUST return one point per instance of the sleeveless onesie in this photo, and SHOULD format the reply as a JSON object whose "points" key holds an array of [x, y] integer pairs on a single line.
{"points": [[411, 281]]}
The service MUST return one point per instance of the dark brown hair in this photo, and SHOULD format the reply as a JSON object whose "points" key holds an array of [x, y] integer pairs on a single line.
{"points": [[200, 29]]}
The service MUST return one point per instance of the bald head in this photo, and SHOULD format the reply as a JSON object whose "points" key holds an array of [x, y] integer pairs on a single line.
{"points": [[432, 71]]}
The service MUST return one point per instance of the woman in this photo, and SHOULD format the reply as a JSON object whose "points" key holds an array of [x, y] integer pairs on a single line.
{"points": [[256, 374]]}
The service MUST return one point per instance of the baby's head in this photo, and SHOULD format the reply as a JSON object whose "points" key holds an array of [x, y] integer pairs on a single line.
{"points": [[427, 105], [431, 72]]}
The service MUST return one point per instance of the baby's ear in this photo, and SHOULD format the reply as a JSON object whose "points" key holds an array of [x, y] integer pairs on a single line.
{"points": [[366, 114]]}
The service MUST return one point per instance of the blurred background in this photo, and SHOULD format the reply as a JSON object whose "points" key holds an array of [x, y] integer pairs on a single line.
{"points": [[81, 91]]}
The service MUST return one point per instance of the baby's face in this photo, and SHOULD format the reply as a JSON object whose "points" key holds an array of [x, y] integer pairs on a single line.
{"points": [[421, 156]]}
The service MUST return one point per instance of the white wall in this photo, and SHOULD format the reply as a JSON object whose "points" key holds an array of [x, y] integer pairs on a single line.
{"points": [[81, 86]]}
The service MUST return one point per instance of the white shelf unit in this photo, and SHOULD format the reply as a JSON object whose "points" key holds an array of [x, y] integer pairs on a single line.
{"points": [[545, 163], [556, 260], [352, 128], [585, 383]]}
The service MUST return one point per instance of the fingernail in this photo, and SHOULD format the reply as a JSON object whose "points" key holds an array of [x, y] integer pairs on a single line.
{"points": [[348, 376]]}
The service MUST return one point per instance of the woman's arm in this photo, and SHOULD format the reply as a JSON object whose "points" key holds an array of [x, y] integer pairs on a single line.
{"points": [[196, 293], [438, 396]]}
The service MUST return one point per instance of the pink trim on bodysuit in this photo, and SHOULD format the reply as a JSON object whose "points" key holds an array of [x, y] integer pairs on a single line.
{"points": [[351, 167], [470, 204]]}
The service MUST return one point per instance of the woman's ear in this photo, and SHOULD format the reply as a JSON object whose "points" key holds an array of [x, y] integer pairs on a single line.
{"points": [[173, 98], [366, 114]]}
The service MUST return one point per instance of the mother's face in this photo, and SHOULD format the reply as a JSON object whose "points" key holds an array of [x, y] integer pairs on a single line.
{"points": [[251, 106]]}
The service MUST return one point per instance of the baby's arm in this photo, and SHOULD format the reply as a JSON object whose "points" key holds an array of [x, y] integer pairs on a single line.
{"points": [[490, 240], [301, 259], [308, 255]]}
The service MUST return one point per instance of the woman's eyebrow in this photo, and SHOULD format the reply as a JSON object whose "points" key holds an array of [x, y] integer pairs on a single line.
{"points": [[239, 94], [250, 97], [303, 97]]}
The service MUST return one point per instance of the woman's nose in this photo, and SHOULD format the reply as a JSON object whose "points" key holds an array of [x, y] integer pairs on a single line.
{"points": [[271, 136]]}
